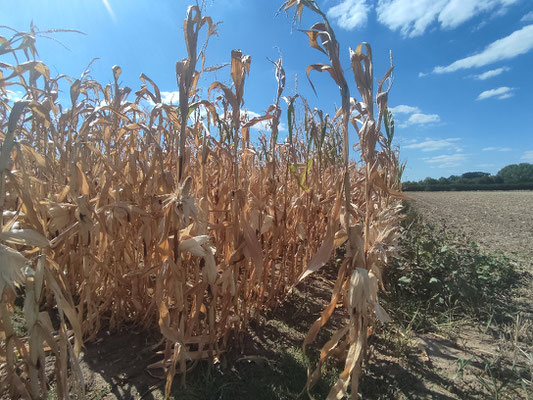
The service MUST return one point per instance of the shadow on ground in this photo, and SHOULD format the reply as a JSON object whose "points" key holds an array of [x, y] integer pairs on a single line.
{"points": [[267, 361]]}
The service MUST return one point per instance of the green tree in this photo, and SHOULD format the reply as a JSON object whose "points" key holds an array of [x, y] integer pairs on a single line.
{"points": [[474, 175], [517, 173]]}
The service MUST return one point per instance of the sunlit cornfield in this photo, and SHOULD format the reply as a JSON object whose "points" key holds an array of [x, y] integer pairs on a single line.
{"points": [[120, 210]]}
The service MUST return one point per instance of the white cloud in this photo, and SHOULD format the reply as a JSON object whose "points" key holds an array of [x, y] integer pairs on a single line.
{"points": [[492, 73], [403, 109], [421, 119], [413, 17], [496, 149], [500, 93], [350, 14], [14, 95], [410, 17], [416, 117], [432, 145], [457, 12], [527, 156], [447, 160], [482, 24], [404, 141], [527, 17], [517, 43], [251, 114], [171, 98], [263, 125]]}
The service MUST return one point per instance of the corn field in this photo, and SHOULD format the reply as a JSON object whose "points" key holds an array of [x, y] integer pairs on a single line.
{"points": [[171, 218]]}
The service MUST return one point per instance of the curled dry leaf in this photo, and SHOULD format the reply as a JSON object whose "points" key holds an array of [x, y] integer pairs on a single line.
{"points": [[26, 237], [11, 265]]}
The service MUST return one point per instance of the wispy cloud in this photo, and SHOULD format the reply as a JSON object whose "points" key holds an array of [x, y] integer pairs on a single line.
{"points": [[496, 149], [492, 73], [413, 18], [109, 10], [447, 160], [517, 43], [527, 156], [527, 17], [456, 12], [416, 117], [433, 145], [419, 119], [403, 109], [350, 14], [500, 93]]}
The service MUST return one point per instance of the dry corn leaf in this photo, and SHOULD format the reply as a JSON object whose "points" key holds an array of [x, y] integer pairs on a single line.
{"points": [[11, 264], [321, 257], [26, 237]]}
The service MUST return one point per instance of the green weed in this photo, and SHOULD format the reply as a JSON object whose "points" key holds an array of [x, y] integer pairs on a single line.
{"points": [[437, 279]]}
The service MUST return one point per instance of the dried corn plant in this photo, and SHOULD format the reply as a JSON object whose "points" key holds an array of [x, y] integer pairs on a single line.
{"points": [[116, 212], [367, 220]]}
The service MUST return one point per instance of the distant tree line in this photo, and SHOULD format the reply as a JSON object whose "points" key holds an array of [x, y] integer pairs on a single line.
{"points": [[511, 177]]}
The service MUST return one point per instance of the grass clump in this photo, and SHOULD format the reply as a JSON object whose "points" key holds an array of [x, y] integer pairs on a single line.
{"points": [[255, 377], [452, 301]]}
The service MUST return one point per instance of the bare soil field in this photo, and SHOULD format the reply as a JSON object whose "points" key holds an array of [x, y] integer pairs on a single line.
{"points": [[496, 220]]}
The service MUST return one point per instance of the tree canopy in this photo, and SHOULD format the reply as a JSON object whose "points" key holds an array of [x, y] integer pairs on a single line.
{"points": [[511, 177], [516, 173]]}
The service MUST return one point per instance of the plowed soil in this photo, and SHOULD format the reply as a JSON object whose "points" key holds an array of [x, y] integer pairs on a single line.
{"points": [[495, 220]]}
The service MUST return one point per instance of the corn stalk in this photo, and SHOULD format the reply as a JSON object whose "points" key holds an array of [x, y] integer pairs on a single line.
{"points": [[117, 213]]}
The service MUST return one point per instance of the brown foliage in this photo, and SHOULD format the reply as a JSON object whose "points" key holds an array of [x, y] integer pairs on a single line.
{"points": [[118, 213]]}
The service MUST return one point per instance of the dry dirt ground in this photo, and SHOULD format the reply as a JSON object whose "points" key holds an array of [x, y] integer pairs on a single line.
{"points": [[495, 220]]}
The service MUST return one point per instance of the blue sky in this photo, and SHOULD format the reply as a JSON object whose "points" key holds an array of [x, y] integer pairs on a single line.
{"points": [[462, 93]]}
